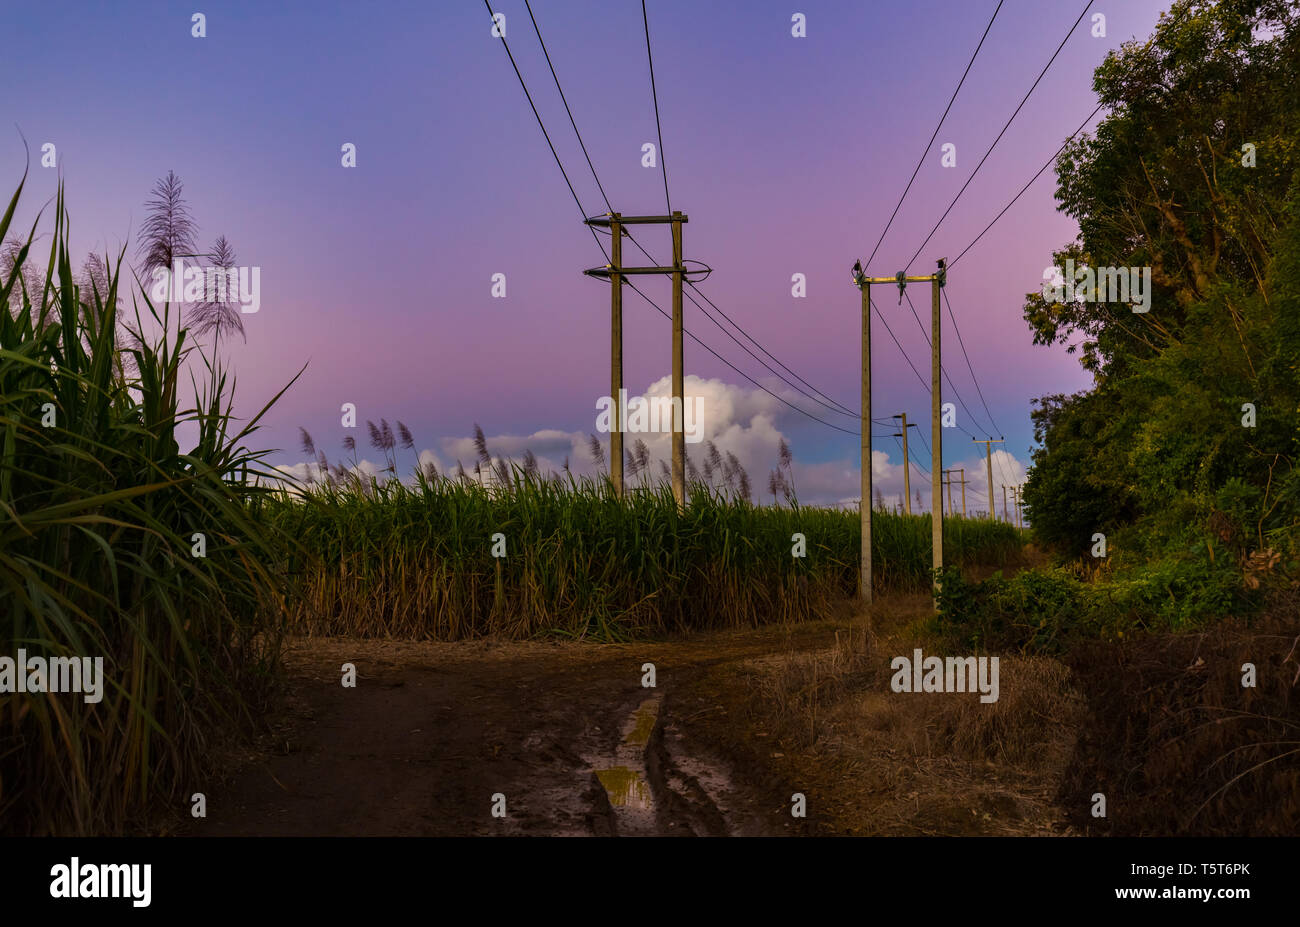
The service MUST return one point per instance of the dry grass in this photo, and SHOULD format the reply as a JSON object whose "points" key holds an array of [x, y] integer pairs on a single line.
{"points": [[878, 762], [1179, 746]]}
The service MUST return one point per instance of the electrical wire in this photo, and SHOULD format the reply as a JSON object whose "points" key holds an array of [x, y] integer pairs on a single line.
{"points": [[1048, 164], [663, 165], [934, 135], [1000, 134]]}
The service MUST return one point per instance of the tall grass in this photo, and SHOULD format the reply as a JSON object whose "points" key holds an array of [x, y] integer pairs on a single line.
{"points": [[416, 560], [99, 506]]}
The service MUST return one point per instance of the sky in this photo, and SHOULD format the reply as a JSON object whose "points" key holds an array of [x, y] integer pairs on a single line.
{"points": [[787, 154]]}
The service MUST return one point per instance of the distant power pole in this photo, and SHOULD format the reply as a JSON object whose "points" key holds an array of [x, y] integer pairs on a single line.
{"points": [[907, 464], [988, 460], [615, 272], [963, 481], [1005, 516], [948, 481]]}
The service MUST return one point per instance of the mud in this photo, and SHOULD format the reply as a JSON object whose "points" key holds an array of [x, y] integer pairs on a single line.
{"points": [[433, 731]]}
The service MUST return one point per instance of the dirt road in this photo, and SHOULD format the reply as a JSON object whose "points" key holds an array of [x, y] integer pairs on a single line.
{"points": [[482, 738]]}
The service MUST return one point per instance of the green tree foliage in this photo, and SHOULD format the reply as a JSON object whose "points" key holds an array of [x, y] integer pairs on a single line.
{"points": [[1158, 447]]}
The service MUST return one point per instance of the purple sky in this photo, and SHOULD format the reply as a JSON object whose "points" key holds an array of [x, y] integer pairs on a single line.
{"points": [[787, 153]]}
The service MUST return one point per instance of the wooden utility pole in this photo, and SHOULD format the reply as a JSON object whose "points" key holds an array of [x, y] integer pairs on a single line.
{"points": [[988, 460], [616, 272], [907, 461], [963, 481], [1005, 516], [616, 355], [936, 416], [937, 280], [679, 399], [864, 578]]}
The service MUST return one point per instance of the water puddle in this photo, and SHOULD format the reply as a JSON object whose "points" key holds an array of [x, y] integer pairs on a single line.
{"points": [[623, 776], [626, 788]]}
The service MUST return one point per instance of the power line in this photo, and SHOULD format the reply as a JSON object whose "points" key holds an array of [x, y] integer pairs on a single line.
{"points": [[1000, 134], [663, 165], [913, 366], [841, 405], [560, 164], [542, 126], [577, 201], [609, 205], [756, 357], [737, 369], [974, 378], [836, 407], [565, 101], [1049, 163], [920, 466], [944, 370], [920, 378], [934, 135]]}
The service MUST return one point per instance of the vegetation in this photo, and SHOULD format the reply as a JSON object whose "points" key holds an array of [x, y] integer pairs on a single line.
{"points": [[116, 543], [1184, 453], [392, 559]]}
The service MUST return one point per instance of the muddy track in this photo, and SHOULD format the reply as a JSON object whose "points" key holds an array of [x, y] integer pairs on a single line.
{"points": [[491, 739]]}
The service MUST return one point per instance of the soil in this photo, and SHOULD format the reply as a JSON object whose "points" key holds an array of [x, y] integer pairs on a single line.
{"points": [[435, 737], [433, 731]]}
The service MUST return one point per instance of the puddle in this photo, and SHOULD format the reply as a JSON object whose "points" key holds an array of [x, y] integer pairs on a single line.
{"points": [[623, 774], [626, 788], [643, 724]]}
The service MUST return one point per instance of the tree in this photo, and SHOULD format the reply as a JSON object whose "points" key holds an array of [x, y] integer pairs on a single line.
{"points": [[1166, 183]]}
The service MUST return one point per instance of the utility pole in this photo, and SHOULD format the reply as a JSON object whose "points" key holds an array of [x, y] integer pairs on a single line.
{"points": [[616, 355], [988, 460], [864, 570], [616, 272], [1005, 516], [948, 481], [936, 414], [907, 461], [963, 481], [679, 387], [936, 281]]}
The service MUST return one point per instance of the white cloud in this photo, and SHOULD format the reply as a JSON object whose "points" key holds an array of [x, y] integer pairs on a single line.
{"points": [[740, 420]]}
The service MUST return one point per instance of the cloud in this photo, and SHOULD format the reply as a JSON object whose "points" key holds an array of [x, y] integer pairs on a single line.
{"points": [[739, 420], [310, 470]]}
